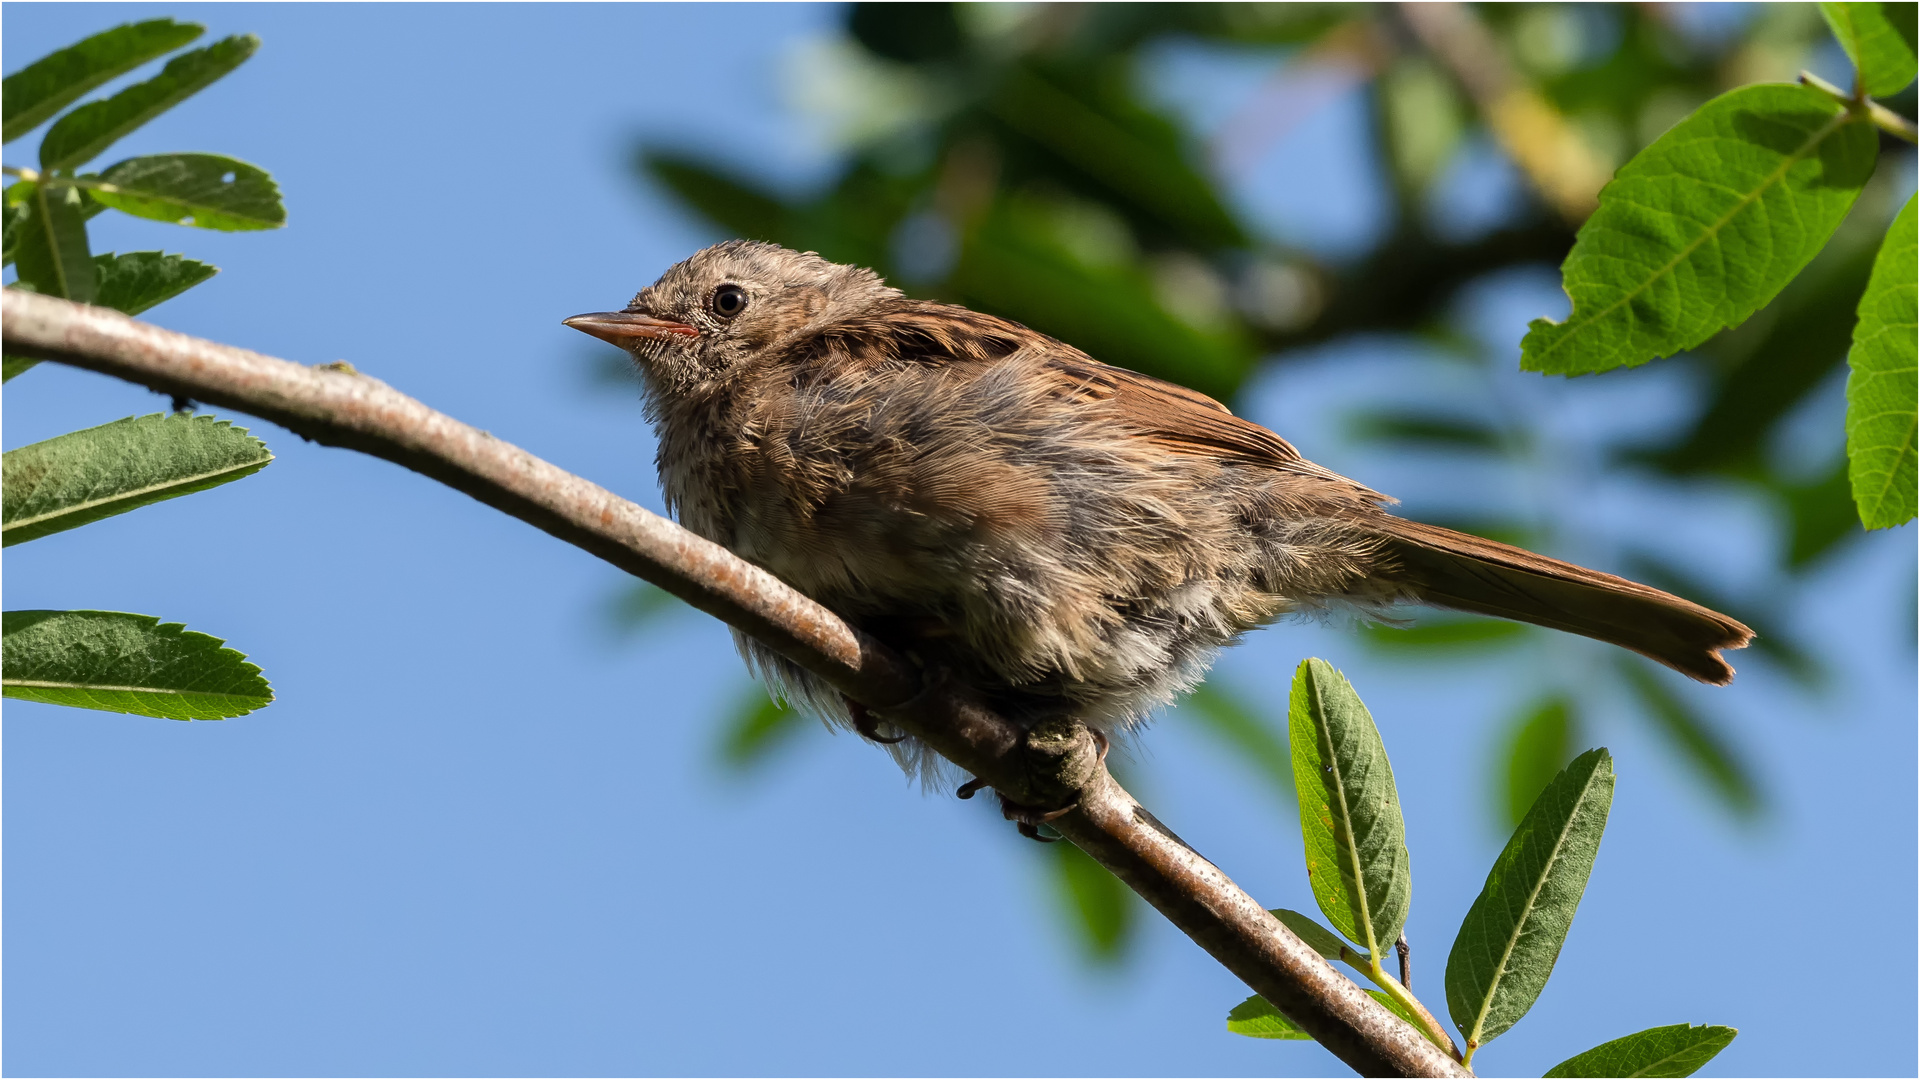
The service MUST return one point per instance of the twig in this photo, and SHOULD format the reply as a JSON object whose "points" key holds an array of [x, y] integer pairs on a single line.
{"points": [[1046, 768]]}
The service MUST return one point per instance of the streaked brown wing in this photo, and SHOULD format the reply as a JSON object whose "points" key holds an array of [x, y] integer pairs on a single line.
{"points": [[1185, 421]]}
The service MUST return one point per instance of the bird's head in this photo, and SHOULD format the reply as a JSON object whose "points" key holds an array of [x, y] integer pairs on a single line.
{"points": [[727, 304]]}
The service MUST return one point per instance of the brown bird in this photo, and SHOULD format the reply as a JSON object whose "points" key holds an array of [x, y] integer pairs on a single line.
{"points": [[1061, 535]]}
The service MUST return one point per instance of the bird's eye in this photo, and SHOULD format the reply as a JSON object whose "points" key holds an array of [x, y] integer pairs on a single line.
{"points": [[729, 300]]}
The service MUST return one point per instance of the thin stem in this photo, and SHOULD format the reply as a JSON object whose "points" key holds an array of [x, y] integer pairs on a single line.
{"points": [[24, 174], [1404, 996], [1892, 122], [1808, 78]]}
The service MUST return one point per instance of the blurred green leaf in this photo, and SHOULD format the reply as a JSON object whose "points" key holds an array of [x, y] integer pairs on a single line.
{"points": [[51, 253], [15, 217], [1512, 934], [81, 135], [1538, 745], [1229, 718], [1881, 412], [207, 191], [638, 605], [31, 95], [733, 204], [1356, 845], [1881, 52], [1676, 1050], [136, 281], [1423, 429], [116, 662], [1705, 750], [1702, 228], [1098, 905], [757, 727], [1436, 633], [908, 33], [1820, 514], [80, 477], [1256, 1018]]}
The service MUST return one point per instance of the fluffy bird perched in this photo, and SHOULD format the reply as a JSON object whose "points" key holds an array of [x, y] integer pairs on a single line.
{"points": [[1061, 535]]}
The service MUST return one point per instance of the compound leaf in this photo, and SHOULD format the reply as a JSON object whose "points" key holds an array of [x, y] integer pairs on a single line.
{"points": [[204, 190], [35, 92], [1704, 226], [1881, 413], [1512, 934], [1349, 809], [1880, 52], [117, 662], [83, 476], [1674, 1050], [82, 134]]}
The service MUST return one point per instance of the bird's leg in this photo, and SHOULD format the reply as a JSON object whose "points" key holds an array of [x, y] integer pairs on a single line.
{"points": [[866, 725], [969, 789], [1027, 820]]}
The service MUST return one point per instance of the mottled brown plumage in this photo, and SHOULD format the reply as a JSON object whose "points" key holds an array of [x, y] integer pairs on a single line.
{"points": [[1060, 534]]}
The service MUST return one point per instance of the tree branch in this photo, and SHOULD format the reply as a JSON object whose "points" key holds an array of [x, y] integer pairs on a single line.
{"points": [[333, 405]]}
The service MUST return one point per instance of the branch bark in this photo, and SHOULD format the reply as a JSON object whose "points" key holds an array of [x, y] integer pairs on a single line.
{"points": [[336, 406]]}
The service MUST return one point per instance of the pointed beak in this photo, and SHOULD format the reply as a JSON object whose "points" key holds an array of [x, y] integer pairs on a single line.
{"points": [[624, 327]]}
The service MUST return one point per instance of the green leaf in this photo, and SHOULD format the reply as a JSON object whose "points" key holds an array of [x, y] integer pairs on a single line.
{"points": [[1512, 935], [1443, 632], [758, 726], [1881, 412], [1233, 722], [34, 93], [51, 254], [204, 190], [1704, 226], [1880, 52], [83, 476], [1256, 1018], [117, 662], [639, 604], [136, 281], [1423, 429], [15, 216], [14, 365], [1097, 904], [1349, 810], [82, 134], [1537, 750], [1704, 750], [1675, 1050], [1317, 937], [729, 202]]}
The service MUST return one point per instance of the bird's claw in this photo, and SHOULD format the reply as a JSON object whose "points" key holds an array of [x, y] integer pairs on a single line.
{"points": [[868, 727]]}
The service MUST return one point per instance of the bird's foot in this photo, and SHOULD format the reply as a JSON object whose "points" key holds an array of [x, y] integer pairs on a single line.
{"points": [[1028, 819], [867, 726]]}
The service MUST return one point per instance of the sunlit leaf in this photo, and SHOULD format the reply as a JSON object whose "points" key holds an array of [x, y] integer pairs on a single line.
{"points": [[1705, 751], [1256, 1018], [1879, 40], [1703, 227], [116, 662], [204, 190], [1675, 1050], [133, 282], [84, 133], [1512, 934], [51, 253], [83, 476], [1538, 745], [33, 94], [1881, 413], [1350, 819]]}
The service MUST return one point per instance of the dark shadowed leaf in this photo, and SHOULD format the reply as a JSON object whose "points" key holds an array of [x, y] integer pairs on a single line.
{"points": [[1317, 937], [1512, 934], [1675, 1050], [1820, 514], [1349, 809], [1423, 430], [51, 253], [1881, 413], [136, 281], [1229, 718], [72, 479], [204, 190], [33, 94], [731, 203], [1881, 52], [756, 727], [84, 133], [1706, 751], [1703, 227], [1539, 742], [116, 662], [1099, 907], [15, 217]]}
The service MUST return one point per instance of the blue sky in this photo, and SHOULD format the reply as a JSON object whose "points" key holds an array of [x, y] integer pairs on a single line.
{"points": [[479, 834]]}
